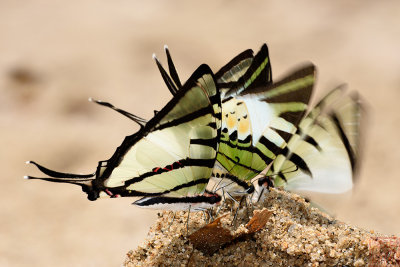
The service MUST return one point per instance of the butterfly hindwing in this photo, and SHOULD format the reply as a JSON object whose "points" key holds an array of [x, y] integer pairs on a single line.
{"points": [[323, 144], [271, 117]]}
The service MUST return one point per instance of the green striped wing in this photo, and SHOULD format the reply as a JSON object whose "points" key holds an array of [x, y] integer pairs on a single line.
{"points": [[273, 113], [235, 143], [236, 78], [242, 73], [323, 155], [266, 115], [257, 118]]}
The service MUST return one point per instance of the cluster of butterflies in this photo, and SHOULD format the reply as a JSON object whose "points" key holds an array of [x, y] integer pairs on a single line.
{"points": [[221, 131]]}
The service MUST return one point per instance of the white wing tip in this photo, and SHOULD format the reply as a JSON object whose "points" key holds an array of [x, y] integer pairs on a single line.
{"points": [[154, 56], [91, 99], [165, 47], [26, 177], [28, 162]]}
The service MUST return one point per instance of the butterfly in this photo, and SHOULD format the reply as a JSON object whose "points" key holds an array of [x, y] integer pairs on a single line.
{"points": [[169, 161], [258, 116]]}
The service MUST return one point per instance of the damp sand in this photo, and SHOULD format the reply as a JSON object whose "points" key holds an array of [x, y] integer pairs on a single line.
{"points": [[288, 232]]}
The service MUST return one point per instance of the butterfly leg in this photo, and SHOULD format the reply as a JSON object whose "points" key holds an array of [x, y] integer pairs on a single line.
{"points": [[205, 216], [222, 204], [234, 200], [237, 210], [251, 200], [260, 194], [210, 216], [173, 218], [247, 206], [263, 183], [187, 221]]}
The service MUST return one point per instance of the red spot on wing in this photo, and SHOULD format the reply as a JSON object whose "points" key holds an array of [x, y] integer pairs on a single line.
{"points": [[167, 168]]}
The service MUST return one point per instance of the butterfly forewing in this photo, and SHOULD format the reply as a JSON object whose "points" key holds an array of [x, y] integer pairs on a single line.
{"points": [[235, 68], [257, 72], [176, 154]]}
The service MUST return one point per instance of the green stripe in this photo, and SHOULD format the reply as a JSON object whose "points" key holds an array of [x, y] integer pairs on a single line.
{"points": [[256, 73], [288, 107], [290, 86], [238, 168], [264, 150]]}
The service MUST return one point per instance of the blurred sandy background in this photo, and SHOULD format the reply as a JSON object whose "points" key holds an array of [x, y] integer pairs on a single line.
{"points": [[56, 54]]}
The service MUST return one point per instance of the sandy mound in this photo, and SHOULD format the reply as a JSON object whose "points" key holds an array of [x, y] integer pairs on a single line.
{"points": [[295, 233]]}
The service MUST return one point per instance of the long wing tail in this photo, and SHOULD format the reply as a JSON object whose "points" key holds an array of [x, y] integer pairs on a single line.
{"points": [[83, 180]]}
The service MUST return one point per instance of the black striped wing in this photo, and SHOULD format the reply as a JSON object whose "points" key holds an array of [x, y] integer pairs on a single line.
{"points": [[258, 118], [323, 156], [244, 73], [266, 118], [172, 155], [175, 152]]}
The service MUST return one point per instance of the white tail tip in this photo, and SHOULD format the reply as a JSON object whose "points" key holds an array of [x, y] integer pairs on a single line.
{"points": [[26, 177], [154, 56], [28, 162], [165, 47], [91, 99]]}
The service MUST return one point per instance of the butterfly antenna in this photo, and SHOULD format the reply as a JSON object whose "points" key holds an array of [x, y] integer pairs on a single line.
{"points": [[131, 116], [172, 69], [167, 79]]}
